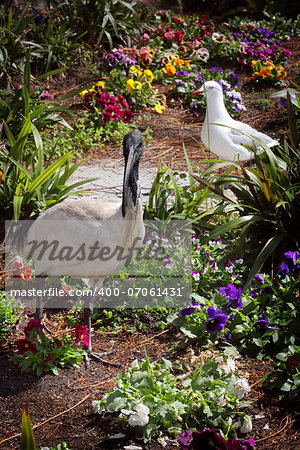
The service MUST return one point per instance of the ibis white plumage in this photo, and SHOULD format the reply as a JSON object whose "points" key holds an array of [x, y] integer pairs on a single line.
{"points": [[223, 135], [93, 224]]}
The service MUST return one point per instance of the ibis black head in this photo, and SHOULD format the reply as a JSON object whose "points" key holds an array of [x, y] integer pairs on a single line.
{"points": [[133, 150], [133, 142]]}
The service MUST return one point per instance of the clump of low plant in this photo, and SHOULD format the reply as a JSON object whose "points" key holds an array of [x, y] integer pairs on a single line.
{"points": [[151, 397], [37, 353]]}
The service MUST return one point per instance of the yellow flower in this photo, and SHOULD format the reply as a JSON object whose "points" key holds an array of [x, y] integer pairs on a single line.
{"points": [[139, 74], [253, 63], [130, 86], [83, 93], [148, 75], [266, 71], [133, 69], [99, 84], [256, 74], [138, 85], [169, 70], [159, 108]]}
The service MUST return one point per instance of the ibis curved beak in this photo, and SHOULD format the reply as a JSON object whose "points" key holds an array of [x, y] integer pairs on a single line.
{"points": [[130, 163]]}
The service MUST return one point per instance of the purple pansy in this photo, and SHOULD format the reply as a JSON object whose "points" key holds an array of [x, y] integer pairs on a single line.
{"points": [[189, 310], [233, 295], [216, 321], [259, 277], [262, 324], [207, 439], [184, 439]]}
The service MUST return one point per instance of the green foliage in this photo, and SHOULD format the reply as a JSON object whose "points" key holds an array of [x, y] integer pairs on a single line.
{"points": [[266, 204], [27, 441], [168, 199], [104, 22], [81, 137], [21, 101], [203, 396], [14, 26], [27, 185], [57, 41], [286, 373], [10, 316], [261, 319]]}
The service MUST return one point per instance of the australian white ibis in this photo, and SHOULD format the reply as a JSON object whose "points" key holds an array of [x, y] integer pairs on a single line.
{"points": [[90, 223], [223, 135]]}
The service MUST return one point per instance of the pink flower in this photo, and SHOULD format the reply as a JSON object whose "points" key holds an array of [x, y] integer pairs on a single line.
{"points": [[169, 36], [146, 37], [46, 96], [81, 334]]}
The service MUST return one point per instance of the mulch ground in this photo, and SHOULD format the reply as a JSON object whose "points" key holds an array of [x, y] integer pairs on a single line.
{"points": [[60, 406]]}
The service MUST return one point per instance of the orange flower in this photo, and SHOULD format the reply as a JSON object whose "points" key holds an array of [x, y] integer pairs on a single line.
{"points": [[256, 74], [169, 70], [270, 64], [253, 63], [265, 71], [178, 62]]}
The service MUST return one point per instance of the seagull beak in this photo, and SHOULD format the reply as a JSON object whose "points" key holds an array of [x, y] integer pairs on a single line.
{"points": [[131, 160], [199, 91]]}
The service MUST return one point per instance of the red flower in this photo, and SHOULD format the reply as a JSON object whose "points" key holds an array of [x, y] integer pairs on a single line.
{"points": [[122, 101], [81, 334], [126, 115], [25, 345], [22, 271], [290, 362], [33, 324], [57, 342], [179, 35]]}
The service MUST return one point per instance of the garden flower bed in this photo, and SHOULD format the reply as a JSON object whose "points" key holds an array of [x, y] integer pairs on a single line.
{"points": [[222, 371]]}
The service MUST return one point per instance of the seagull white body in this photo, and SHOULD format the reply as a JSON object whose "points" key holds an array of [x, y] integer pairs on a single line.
{"points": [[223, 135]]}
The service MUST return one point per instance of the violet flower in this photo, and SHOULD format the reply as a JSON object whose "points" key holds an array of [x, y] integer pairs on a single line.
{"points": [[184, 439], [216, 321], [262, 324], [207, 439]]}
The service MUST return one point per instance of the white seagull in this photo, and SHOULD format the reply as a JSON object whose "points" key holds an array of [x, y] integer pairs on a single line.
{"points": [[223, 135]]}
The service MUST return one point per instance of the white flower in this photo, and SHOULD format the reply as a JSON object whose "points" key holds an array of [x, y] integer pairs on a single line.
{"points": [[202, 53], [240, 387], [140, 417], [229, 366], [240, 261], [246, 426], [96, 407]]}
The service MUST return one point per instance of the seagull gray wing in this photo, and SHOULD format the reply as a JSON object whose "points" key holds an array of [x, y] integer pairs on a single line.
{"points": [[241, 133]]}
